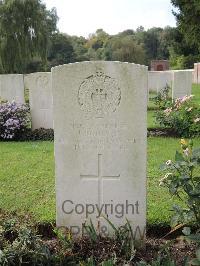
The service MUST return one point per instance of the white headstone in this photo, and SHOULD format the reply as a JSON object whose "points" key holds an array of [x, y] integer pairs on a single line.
{"points": [[195, 76], [12, 87], [158, 80], [100, 111], [40, 99], [182, 83]]}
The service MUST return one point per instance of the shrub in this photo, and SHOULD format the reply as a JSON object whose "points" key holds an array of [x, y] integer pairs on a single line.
{"points": [[25, 248], [182, 115], [45, 134], [183, 182], [162, 98], [14, 119]]}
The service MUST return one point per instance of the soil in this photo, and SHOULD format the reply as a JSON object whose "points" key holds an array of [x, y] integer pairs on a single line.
{"points": [[104, 249], [158, 242], [162, 132]]}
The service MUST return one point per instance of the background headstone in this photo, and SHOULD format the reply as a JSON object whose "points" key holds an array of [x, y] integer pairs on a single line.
{"points": [[157, 80], [12, 87], [198, 73], [182, 83], [195, 76], [40, 99], [100, 111]]}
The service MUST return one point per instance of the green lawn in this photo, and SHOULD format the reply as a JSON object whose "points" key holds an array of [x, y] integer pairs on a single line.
{"points": [[151, 120], [27, 178], [196, 92]]}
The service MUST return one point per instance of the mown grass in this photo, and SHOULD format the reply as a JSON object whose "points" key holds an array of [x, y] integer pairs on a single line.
{"points": [[27, 178], [196, 93], [151, 120]]}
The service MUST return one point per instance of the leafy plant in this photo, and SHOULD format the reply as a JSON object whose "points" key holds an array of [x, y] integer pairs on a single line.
{"points": [[182, 116], [91, 232], [37, 134], [64, 237], [125, 239], [27, 248], [183, 182], [162, 98], [193, 237], [14, 119]]}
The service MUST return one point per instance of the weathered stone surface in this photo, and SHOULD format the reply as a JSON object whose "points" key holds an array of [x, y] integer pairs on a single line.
{"points": [[40, 98], [195, 76], [157, 80], [182, 83], [100, 144], [12, 87]]}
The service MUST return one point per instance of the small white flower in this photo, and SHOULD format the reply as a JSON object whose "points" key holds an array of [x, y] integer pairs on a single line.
{"points": [[186, 152], [169, 162], [189, 109], [197, 120], [167, 175]]}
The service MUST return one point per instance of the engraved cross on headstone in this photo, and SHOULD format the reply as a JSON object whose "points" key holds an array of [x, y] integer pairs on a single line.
{"points": [[100, 179]]}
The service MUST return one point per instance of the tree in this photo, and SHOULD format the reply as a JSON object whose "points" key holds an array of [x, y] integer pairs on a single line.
{"points": [[188, 18], [125, 49], [80, 49], [25, 30], [61, 50], [152, 42]]}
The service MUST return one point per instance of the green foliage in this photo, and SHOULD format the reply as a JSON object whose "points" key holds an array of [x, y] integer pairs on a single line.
{"points": [[45, 134], [14, 120], [183, 182], [125, 49], [181, 115], [195, 238], [61, 50], [164, 258], [80, 48], [162, 98], [37, 194], [25, 30], [188, 17], [15, 124], [21, 246], [91, 232], [125, 239]]}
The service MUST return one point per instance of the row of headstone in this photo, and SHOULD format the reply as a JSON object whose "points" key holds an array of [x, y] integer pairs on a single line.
{"points": [[100, 126], [157, 80], [179, 80], [40, 90], [12, 88]]}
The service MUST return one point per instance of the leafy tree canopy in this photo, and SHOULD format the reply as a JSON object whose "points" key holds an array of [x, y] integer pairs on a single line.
{"points": [[25, 30], [188, 19]]}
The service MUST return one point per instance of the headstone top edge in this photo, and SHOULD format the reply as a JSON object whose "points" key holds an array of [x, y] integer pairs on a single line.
{"points": [[36, 73], [98, 62], [10, 75]]}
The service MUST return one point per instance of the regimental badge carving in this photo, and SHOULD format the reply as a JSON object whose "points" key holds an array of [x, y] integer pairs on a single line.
{"points": [[99, 95]]}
